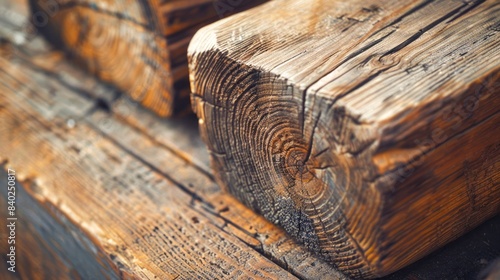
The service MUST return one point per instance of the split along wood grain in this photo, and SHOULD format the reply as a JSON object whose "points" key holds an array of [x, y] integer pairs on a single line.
{"points": [[146, 224], [138, 46], [76, 146], [368, 131]]}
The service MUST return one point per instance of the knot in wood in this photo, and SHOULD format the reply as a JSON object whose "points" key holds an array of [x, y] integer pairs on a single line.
{"points": [[299, 166]]}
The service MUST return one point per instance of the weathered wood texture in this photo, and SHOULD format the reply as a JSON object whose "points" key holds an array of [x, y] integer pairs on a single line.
{"points": [[472, 255], [139, 46], [48, 245], [56, 241], [135, 185], [368, 131], [144, 220]]}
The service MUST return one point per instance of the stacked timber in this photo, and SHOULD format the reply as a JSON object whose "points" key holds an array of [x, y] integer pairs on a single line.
{"points": [[368, 131], [139, 46], [106, 190]]}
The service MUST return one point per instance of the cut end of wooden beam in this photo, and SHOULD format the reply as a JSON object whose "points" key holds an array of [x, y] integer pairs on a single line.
{"points": [[290, 173], [330, 122]]}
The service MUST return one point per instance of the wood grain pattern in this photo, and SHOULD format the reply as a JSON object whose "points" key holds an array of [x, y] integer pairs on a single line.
{"points": [[44, 233], [148, 223], [369, 132], [237, 219], [468, 257], [144, 197], [67, 98], [138, 46]]}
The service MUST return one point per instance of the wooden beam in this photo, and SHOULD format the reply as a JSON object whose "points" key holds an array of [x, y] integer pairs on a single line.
{"points": [[368, 131], [467, 257], [64, 97], [141, 218], [138, 46], [43, 233], [94, 160]]}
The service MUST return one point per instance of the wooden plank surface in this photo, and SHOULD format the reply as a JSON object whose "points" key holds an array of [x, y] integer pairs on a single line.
{"points": [[146, 221], [138, 46], [153, 210], [368, 131], [67, 111], [48, 245]]}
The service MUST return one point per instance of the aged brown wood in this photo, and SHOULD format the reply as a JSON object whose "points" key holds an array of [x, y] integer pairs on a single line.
{"points": [[140, 218], [158, 143], [368, 131], [134, 185], [55, 245], [48, 244], [468, 257], [139, 46]]}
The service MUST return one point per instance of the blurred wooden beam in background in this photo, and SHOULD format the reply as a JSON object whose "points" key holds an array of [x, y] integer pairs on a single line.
{"points": [[138, 46]]}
